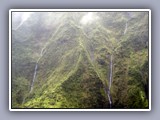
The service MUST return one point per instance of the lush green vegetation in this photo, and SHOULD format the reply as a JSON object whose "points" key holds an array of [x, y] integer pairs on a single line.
{"points": [[73, 71]]}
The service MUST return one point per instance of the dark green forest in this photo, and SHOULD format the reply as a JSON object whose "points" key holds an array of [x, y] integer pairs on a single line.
{"points": [[80, 60]]}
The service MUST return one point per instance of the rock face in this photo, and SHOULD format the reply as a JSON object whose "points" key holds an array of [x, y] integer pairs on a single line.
{"points": [[80, 60]]}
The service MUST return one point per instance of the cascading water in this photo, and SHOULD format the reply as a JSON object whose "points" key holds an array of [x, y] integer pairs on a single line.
{"points": [[35, 70], [19, 26], [110, 74], [110, 82], [34, 76], [24, 17], [126, 26]]}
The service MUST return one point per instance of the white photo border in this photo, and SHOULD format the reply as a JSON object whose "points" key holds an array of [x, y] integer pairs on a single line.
{"points": [[75, 10]]}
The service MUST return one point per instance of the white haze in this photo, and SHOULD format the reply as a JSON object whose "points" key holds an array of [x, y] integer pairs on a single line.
{"points": [[89, 18], [21, 16]]}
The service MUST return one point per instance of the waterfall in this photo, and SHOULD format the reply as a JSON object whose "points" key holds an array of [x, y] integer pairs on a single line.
{"points": [[109, 98], [35, 69], [19, 25], [24, 17], [110, 82], [42, 51], [125, 30], [110, 76], [34, 77]]}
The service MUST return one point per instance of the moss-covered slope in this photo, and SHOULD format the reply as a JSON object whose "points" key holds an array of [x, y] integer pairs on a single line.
{"points": [[73, 61]]}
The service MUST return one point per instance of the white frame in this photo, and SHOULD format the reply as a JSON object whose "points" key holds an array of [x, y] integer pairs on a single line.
{"points": [[79, 10]]}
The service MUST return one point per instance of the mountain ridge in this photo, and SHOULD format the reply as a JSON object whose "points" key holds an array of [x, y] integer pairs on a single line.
{"points": [[74, 61]]}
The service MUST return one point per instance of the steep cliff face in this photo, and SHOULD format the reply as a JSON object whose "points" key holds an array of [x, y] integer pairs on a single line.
{"points": [[80, 60]]}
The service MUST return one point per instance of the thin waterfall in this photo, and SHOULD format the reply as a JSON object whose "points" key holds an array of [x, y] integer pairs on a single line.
{"points": [[24, 17], [35, 69], [110, 82], [110, 76], [19, 25], [109, 98], [34, 77], [126, 27]]}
